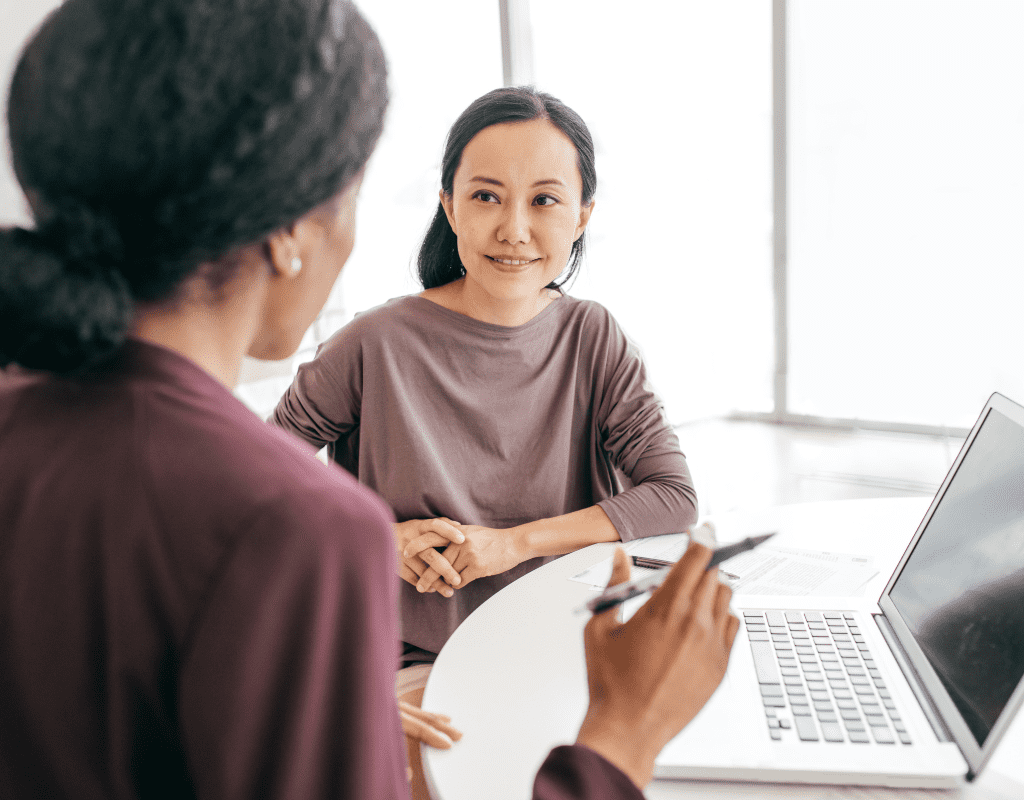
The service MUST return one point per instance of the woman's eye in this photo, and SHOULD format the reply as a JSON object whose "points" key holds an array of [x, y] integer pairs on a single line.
{"points": [[545, 200], [487, 197]]}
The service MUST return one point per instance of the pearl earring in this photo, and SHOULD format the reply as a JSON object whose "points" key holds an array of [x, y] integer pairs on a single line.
{"points": [[296, 264]]}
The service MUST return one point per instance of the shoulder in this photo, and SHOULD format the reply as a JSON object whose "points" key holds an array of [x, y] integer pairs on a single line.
{"points": [[248, 476], [594, 324], [587, 314], [382, 325], [407, 310]]}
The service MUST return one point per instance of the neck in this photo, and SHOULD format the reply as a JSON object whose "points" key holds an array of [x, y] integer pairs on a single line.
{"points": [[459, 296], [214, 335]]}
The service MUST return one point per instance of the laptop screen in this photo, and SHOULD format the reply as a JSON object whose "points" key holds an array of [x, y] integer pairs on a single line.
{"points": [[961, 591]]}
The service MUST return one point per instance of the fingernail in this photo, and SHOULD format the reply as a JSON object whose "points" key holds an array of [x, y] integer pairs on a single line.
{"points": [[447, 592], [419, 588]]}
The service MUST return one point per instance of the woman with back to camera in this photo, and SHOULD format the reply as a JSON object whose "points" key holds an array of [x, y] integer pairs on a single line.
{"points": [[492, 411], [191, 604]]}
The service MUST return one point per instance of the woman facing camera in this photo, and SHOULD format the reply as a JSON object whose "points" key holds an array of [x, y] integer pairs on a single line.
{"points": [[496, 414]]}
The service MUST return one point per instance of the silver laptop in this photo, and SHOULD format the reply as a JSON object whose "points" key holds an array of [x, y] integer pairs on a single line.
{"points": [[915, 690]]}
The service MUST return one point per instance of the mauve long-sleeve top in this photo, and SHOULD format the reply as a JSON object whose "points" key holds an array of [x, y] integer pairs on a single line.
{"points": [[445, 415]]}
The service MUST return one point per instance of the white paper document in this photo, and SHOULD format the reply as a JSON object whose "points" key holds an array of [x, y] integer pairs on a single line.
{"points": [[765, 570], [784, 571]]}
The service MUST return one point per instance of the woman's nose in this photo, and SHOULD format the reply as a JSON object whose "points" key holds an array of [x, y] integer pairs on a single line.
{"points": [[514, 227]]}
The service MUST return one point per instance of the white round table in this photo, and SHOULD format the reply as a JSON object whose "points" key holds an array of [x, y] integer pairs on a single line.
{"points": [[513, 676]]}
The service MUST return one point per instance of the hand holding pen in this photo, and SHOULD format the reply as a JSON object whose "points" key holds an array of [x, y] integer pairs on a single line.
{"points": [[650, 676]]}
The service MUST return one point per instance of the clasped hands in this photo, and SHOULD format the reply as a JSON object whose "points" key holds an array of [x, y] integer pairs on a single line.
{"points": [[470, 552]]}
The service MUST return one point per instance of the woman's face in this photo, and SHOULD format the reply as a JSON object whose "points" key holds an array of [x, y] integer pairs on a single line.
{"points": [[516, 209]]}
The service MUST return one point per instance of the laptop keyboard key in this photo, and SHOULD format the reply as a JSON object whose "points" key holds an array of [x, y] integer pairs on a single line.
{"points": [[832, 732], [764, 662], [883, 735], [859, 737], [806, 729]]}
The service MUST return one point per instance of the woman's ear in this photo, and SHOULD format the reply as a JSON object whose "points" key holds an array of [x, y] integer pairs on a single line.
{"points": [[585, 212], [448, 204], [283, 251]]}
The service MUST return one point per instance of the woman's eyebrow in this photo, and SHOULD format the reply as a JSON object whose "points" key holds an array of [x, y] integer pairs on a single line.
{"points": [[496, 182], [550, 182]]}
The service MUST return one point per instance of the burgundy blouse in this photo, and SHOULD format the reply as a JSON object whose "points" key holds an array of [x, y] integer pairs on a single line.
{"points": [[191, 605]]}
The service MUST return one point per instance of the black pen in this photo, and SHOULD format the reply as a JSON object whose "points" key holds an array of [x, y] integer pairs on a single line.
{"points": [[657, 563], [626, 591]]}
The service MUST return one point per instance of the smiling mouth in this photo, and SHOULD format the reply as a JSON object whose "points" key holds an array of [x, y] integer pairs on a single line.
{"points": [[513, 262]]}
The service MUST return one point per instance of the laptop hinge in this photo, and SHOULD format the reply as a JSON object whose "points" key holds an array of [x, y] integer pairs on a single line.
{"points": [[930, 712]]}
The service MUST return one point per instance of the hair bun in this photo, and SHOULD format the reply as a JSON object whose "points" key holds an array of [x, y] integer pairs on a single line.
{"points": [[64, 305], [88, 242]]}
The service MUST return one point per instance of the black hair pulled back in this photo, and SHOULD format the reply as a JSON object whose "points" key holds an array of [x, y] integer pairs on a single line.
{"points": [[155, 136], [438, 261]]}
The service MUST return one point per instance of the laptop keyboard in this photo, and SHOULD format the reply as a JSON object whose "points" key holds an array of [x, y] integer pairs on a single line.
{"points": [[819, 680]]}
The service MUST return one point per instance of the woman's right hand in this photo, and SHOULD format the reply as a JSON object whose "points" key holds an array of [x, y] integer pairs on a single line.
{"points": [[651, 675], [439, 532]]}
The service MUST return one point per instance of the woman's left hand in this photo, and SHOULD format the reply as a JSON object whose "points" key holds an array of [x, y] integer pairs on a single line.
{"points": [[486, 551], [425, 726]]}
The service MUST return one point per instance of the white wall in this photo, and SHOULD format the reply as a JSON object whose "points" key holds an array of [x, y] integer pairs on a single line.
{"points": [[18, 19]]}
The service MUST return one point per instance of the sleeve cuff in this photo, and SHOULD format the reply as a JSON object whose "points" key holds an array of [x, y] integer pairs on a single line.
{"points": [[575, 772]]}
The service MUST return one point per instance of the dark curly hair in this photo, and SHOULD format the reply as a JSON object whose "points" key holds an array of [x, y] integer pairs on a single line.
{"points": [[154, 136], [438, 260]]}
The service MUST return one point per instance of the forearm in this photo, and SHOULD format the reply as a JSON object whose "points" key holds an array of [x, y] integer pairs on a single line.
{"points": [[556, 536]]}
